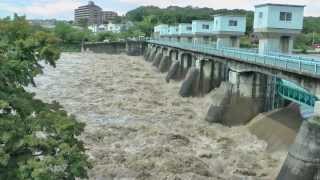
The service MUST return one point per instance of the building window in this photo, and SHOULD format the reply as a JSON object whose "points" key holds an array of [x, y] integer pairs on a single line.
{"points": [[233, 23], [285, 16], [189, 28], [205, 26], [260, 14]]}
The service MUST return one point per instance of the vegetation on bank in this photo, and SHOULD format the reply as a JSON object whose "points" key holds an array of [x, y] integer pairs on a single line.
{"points": [[37, 140]]}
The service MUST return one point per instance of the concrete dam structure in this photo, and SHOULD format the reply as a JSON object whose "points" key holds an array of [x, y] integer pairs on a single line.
{"points": [[254, 80]]}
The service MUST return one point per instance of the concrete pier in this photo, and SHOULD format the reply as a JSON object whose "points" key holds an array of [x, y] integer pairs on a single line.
{"points": [[303, 160], [225, 41], [156, 61], [190, 86], [165, 64]]}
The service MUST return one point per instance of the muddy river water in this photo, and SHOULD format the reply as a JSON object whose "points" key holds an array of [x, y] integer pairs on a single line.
{"points": [[138, 127]]}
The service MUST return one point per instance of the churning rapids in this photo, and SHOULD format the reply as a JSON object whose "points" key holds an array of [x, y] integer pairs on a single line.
{"points": [[138, 127]]}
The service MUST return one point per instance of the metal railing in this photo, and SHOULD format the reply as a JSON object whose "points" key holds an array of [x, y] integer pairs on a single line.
{"points": [[284, 62], [294, 93]]}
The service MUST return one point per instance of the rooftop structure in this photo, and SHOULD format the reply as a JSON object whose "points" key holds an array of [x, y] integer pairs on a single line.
{"points": [[228, 29], [202, 27], [185, 32], [229, 24], [276, 25], [202, 31], [185, 29], [161, 30], [173, 30]]}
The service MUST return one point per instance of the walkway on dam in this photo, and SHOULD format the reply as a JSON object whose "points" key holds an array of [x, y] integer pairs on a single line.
{"points": [[138, 127], [301, 66]]}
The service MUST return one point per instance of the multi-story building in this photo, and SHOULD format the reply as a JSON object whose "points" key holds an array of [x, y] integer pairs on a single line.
{"points": [[93, 14], [90, 13], [108, 16]]}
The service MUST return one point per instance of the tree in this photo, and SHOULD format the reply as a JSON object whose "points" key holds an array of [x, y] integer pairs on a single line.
{"points": [[63, 31], [146, 26], [37, 140]]}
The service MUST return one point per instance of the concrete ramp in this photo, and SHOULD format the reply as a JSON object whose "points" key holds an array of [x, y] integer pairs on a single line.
{"points": [[278, 128]]}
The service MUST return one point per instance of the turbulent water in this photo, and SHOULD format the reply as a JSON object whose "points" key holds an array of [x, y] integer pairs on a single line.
{"points": [[138, 127]]}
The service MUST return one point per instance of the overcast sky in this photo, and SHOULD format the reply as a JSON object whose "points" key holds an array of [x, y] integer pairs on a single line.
{"points": [[63, 9]]}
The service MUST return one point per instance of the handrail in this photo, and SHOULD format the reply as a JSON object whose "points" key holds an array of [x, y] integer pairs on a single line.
{"points": [[295, 94]]}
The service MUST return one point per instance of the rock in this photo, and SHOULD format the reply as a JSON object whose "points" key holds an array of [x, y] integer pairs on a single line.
{"points": [[165, 64], [205, 154], [189, 86], [173, 71]]}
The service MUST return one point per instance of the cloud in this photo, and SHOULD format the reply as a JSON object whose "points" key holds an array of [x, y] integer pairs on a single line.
{"points": [[43, 8], [63, 9]]}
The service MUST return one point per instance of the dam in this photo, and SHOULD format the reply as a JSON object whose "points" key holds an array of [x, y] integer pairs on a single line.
{"points": [[244, 83], [196, 105]]}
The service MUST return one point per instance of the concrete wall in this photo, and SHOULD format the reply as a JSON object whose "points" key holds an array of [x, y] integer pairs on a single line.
{"points": [[135, 48], [272, 43], [221, 24], [174, 30], [197, 27], [132, 48], [106, 47], [185, 29]]}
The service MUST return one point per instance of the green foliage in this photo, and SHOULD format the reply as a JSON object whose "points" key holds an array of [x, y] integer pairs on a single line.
{"points": [[69, 34], [70, 37], [245, 42], [107, 36], [37, 140], [305, 41], [311, 24]]}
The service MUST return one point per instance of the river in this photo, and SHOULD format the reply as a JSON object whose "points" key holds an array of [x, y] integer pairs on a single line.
{"points": [[138, 127]]}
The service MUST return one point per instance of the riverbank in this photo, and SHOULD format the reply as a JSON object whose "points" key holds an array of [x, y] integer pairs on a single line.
{"points": [[138, 127]]}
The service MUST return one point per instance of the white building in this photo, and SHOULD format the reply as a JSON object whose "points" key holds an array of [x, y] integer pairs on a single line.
{"points": [[111, 27], [202, 31], [160, 31], [97, 28], [115, 28], [228, 29]]}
